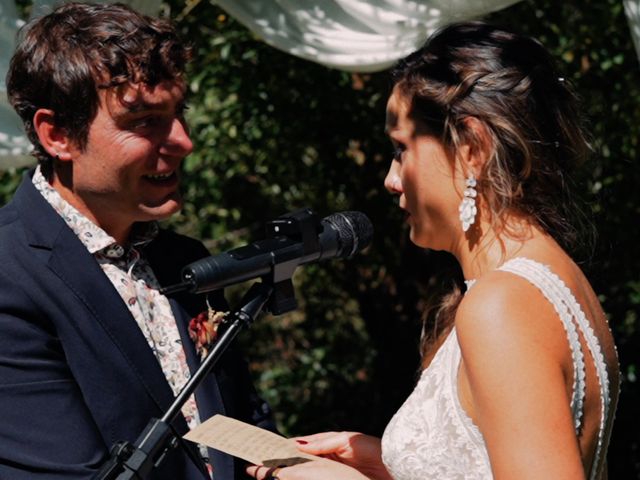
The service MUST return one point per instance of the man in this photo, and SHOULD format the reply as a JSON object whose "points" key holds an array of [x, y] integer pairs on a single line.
{"points": [[89, 348]]}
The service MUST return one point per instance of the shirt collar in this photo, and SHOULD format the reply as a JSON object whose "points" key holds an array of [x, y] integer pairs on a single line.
{"points": [[94, 238]]}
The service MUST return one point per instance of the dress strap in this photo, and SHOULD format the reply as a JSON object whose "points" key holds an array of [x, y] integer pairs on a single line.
{"points": [[538, 277], [572, 316]]}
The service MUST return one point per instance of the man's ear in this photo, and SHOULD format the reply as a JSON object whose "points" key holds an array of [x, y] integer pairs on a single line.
{"points": [[478, 148], [53, 139]]}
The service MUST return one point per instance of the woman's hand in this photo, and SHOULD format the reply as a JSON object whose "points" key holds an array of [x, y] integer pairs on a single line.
{"points": [[362, 452], [321, 469], [355, 457]]}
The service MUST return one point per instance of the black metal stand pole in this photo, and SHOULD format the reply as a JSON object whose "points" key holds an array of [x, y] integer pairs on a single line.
{"points": [[138, 460]]}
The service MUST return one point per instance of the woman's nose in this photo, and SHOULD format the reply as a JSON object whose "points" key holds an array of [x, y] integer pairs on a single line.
{"points": [[392, 181]]}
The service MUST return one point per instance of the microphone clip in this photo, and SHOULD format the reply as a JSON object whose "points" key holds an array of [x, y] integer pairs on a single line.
{"points": [[303, 226]]}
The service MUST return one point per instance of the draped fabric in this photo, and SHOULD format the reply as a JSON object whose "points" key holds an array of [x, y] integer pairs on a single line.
{"points": [[632, 10], [352, 35], [14, 146], [359, 35]]}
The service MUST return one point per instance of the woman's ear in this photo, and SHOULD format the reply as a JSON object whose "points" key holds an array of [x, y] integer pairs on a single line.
{"points": [[478, 147], [53, 138]]}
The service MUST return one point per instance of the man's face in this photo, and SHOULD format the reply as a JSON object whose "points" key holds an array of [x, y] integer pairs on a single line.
{"points": [[129, 168]]}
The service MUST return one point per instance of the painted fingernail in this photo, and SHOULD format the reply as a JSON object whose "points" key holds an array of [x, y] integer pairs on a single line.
{"points": [[302, 442]]}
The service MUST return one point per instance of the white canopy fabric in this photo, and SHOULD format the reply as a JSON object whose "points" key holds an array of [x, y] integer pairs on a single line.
{"points": [[632, 10], [351, 35], [14, 146]]}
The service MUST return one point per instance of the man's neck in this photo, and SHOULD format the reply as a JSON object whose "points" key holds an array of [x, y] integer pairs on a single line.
{"points": [[114, 227]]}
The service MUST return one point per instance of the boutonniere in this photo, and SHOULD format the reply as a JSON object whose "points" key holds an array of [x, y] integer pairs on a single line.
{"points": [[203, 330]]}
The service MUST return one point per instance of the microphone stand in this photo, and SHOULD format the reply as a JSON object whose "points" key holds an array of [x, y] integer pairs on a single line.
{"points": [[136, 461]]}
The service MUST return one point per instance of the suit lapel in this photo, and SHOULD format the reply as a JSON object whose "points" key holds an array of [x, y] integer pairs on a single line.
{"points": [[89, 285], [166, 264], [53, 241], [208, 394], [186, 306]]}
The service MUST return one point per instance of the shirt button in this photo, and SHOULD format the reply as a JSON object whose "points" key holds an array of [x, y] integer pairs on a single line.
{"points": [[114, 251]]}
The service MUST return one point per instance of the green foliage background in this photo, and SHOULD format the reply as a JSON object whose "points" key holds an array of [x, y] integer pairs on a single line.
{"points": [[274, 133]]}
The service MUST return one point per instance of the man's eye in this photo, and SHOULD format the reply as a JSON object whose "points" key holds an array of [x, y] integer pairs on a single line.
{"points": [[146, 122], [181, 111], [153, 122]]}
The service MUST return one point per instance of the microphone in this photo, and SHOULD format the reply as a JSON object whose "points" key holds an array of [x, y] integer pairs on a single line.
{"points": [[296, 239]]}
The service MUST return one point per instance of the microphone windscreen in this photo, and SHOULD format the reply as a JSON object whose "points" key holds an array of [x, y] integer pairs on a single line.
{"points": [[354, 230]]}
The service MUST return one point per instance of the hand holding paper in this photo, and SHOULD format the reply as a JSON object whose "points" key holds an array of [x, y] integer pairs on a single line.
{"points": [[253, 444]]}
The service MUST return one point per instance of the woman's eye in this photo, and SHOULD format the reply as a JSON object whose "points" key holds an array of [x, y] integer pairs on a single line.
{"points": [[397, 152]]}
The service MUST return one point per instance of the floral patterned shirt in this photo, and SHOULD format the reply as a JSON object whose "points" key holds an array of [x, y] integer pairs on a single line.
{"points": [[133, 278]]}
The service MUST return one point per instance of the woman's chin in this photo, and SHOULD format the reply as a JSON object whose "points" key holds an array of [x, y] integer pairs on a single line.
{"points": [[426, 238], [418, 239]]}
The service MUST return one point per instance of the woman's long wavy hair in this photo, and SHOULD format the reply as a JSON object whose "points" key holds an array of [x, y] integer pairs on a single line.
{"points": [[510, 83]]}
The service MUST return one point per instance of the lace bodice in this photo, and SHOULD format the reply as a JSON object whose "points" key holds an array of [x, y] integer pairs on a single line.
{"points": [[432, 437]]}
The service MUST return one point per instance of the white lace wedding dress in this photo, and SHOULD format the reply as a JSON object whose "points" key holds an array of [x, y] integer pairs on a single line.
{"points": [[431, 436]]}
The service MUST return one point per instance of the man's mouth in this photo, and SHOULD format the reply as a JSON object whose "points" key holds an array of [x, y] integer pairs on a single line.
{"points": [[161, 178]]}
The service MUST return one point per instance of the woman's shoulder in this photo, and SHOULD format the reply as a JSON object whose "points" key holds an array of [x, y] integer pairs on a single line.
{"points": [[499, 293], [506, 308], [523, 283]]}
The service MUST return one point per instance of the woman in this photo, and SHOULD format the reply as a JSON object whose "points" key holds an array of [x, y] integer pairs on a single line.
{"points": [[524, 382]]}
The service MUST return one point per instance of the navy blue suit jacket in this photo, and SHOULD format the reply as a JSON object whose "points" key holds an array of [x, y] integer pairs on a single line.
{"points": [[76, 373]]}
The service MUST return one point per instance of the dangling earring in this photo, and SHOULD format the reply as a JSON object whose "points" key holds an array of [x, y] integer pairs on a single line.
{"points": [[467, 207]]}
